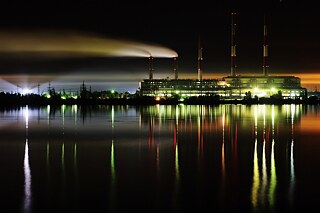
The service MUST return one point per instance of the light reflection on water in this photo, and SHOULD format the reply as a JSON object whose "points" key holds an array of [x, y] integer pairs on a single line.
{"points": [[265, 177], [26, 168], [174, 158]]}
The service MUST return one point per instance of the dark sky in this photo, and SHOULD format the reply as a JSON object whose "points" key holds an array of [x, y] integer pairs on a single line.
{"points": [[294, 32]]}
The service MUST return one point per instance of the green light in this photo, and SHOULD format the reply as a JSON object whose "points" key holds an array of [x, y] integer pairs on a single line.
{"points": [[112, 91], [48, 151], [48, 96], [75, 153], [63, 97], [113, 173], [62, 154], [181, 99], [112, 116]]}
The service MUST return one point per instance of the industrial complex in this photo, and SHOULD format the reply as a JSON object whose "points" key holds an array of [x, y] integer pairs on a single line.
{"points": [[232, 87]]}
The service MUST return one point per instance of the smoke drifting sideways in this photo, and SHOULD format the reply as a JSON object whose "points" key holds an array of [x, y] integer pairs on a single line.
{"points": [[44, 44], [74, 44]]}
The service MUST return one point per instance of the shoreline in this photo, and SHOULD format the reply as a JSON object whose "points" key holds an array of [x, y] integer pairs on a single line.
{"points": [[148, 101]]}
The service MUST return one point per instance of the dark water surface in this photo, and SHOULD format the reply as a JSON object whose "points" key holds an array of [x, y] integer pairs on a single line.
{"points": [[160, 159]]}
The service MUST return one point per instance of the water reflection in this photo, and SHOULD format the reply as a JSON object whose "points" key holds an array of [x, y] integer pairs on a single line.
{"points": [[112, 165], [223, 160], [175, 144], [27, 181], [292, 172], [234, 119], [27, 170], [176, 160], [263, 185], [273, 175], [179, 158]]}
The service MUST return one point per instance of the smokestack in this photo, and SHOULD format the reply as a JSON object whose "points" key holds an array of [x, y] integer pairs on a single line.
{"points": [[199, 61], [175, 68], [150, 68], [233, 44], [265, 65]]}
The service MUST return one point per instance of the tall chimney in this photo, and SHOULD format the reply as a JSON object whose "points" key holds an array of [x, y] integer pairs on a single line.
{"points": [[175, 68], [199, 61], [150, 68], [265, 65], [233, 44]]}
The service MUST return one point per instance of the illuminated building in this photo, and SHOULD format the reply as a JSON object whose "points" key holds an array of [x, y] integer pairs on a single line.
{"points": [[265, 86], [230, 87], [181, 87]]}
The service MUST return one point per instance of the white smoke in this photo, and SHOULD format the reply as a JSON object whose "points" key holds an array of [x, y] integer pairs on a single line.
{"points": [[75, 44]]}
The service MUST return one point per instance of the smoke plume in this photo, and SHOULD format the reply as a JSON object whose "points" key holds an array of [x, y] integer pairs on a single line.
{"points": [[75, 44]]}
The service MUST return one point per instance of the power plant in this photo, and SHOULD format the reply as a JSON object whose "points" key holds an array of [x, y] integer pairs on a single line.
{"points": [[232, 87]]}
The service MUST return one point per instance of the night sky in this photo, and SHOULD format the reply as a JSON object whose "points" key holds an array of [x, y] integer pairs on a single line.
{"points": [[50, 52]]}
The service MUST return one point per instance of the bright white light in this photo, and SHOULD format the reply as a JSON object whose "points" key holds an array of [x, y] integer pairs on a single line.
{"points": [[262, 94], [27, 180], [25, 91], [26, 115]]}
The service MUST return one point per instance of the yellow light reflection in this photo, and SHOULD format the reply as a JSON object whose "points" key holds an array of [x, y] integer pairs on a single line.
{"points": [[199, 129], [177, 169], [113, 172], [222, 149], [273, 177], [264, 166], [256, 176], [177, 163], [273, 174]]}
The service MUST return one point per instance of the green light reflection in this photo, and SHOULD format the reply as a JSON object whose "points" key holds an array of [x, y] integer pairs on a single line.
{"points": [[62, 156], [113, 172]]}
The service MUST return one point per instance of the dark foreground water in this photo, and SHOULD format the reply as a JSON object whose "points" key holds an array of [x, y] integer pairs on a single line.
{"points": [[160, 159]]}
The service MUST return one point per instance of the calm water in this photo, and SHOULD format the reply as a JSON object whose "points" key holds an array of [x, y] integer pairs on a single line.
{"points": [[160, 158]]}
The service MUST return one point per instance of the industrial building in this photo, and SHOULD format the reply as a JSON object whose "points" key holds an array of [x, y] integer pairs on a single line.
{"points": [[230, 87], [181, 87]]}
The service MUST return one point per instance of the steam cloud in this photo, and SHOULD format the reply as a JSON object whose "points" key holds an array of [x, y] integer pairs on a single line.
{"points": [[66, 44], [74, 44]]}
